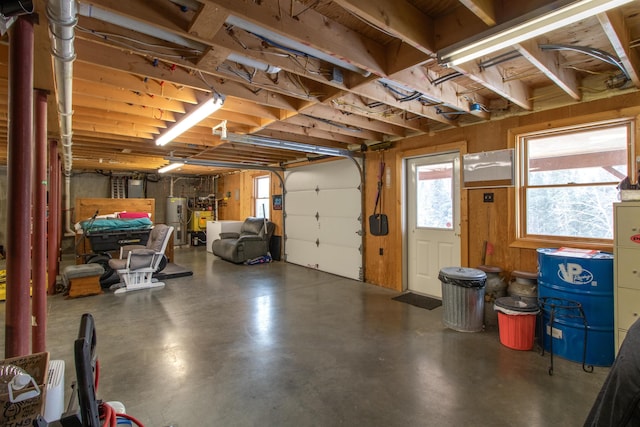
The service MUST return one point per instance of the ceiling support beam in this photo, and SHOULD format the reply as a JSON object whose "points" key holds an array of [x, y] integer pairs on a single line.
{"points": [[399, 18], [483, 9], [550, 63], [618, 33]]}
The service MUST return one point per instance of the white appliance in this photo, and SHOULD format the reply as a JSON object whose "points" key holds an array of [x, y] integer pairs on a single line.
{"points": [[214, 228], [54, 398]]}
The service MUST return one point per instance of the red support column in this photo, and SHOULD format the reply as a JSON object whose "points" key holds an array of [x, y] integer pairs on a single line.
{"points": [[38, 240], [53, 226], [20, 151]]}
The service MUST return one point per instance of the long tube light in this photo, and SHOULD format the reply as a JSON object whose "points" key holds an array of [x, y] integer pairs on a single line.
{"points": [[191, 119], [221, 164], [528, 26], [170, 167], [292, 44], [262, 141]]}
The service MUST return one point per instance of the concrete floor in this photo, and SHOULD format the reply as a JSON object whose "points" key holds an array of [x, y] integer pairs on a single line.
{"points": [[281, 345]]}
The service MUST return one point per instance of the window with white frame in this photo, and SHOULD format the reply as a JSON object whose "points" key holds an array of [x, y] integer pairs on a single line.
{"points": [[568, 181], [262, 188]]}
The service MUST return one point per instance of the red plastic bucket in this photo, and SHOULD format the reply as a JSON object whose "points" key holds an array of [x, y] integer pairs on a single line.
{"points": [[516, 322]]}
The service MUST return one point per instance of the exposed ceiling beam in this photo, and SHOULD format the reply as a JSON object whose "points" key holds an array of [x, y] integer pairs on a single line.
{"points": [[353, 104], [117, 59], [492, 78], [399, 18], [617, 31], [483, 9], [312, 29], [550, 63]]}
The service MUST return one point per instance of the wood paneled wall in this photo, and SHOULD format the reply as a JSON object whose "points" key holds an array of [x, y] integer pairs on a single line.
{"points": [[239, 208], [491, 222]]}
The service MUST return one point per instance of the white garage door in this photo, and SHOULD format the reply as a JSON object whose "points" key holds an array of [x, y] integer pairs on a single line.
{"points": [[323, 210]]}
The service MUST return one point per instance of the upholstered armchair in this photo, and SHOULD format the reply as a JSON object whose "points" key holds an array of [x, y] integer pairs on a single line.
{"points": [[252, 241]]}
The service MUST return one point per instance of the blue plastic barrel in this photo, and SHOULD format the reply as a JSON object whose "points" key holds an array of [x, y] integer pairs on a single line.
{"points": [[589, 282]]}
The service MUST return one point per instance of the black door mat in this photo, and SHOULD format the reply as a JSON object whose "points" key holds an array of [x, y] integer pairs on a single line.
{"points": [[419, 300]]}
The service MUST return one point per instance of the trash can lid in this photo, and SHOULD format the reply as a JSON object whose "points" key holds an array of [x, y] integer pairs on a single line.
{"points": [[515, 305], [463, 276]]}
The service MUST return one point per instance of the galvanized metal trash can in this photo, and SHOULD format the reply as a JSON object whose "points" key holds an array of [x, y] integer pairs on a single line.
{"points": [[463, 298]]}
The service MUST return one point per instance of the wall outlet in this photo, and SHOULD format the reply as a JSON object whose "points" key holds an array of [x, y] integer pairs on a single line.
{"points": [[487, 198]]}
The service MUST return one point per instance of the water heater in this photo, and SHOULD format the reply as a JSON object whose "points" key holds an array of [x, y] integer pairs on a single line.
{"points": [[177, 216]]}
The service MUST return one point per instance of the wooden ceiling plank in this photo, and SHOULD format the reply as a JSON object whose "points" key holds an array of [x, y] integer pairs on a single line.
{"points": [[400, 18], [550, 63], [332, 114], [418, 79], [353, 104], [96, 127], [245, 44], [491, 78], [96, 113], [615, 28], [314, 132], [312, 29], [401, 56], [308, 121], [82, 100], [114, 94], [121, 124], [376, 92], [93, 73], [483, 9], [120, 60], [208, 21]]}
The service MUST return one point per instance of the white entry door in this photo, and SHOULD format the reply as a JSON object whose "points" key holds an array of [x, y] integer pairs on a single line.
{"points": [[433, 220], [323, 209]]}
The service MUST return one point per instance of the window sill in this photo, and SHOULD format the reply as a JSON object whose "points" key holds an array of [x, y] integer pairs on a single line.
{"points": [[529, 243]]}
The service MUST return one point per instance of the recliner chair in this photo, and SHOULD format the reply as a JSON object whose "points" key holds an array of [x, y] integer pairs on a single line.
{"points": [[252, 241]]}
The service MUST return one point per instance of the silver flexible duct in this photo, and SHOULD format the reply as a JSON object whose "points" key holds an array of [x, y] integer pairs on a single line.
{"points": [[62, 15]]}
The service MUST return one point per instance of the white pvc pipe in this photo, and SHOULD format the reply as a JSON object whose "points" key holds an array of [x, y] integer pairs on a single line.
{"points": [[68, 231]]}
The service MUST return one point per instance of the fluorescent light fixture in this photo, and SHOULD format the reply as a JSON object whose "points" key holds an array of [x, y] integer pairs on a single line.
{"points": [[551, 17], [170, 167], [220, 164], [292, 44], [254, 63], [191, 119], [288, 145]]}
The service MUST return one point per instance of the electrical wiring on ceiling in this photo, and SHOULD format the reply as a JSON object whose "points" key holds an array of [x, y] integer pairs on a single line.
{"points": [[134, 44], [334, 124], [593, 52], [388, 112], [280, 51], [413, 96]]}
